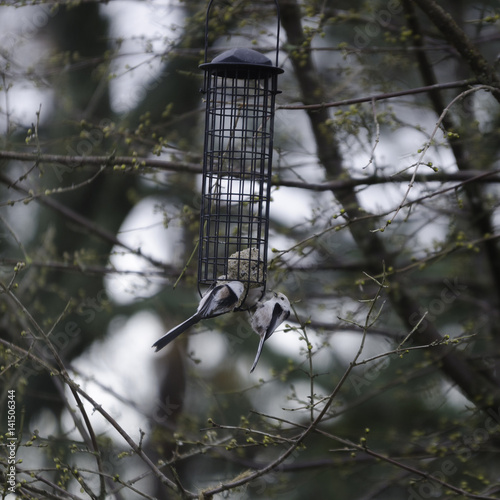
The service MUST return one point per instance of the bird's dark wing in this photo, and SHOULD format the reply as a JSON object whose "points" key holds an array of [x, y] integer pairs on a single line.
{"points": [[275, 319], [226, 300]]}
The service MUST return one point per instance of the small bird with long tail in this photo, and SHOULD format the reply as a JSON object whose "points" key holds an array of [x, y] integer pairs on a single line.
{"points": [[267, 317], [221, 298]]}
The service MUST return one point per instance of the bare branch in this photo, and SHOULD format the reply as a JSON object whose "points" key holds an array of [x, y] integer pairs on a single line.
{"points": [[107, 162], [458, 39], [380, 97]]}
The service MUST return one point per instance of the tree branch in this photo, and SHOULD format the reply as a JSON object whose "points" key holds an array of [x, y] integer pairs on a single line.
{"points": [[80, 220], [474, 193], [109, 162], [478, 388], [78, 391], [458, 39], [351, 445], [379, 97], [491, 176]]}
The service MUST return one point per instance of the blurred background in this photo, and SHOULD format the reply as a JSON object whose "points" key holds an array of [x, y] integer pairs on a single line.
{"points": [[383, 234]]}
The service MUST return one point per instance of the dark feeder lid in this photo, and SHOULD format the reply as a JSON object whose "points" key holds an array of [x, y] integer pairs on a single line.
{"points": [[242, 63]]}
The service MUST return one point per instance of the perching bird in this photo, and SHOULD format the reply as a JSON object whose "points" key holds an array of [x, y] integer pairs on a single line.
{"points": [[267, 317], [221, 298]]}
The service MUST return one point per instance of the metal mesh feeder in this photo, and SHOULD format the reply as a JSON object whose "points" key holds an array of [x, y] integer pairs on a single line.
{"points": [[240, 87]]}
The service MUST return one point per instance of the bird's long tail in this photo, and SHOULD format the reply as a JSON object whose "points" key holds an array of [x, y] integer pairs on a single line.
{"points": [[175, 332], [259, 351]]}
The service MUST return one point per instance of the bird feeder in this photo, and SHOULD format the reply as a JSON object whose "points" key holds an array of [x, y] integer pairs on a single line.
{"points": [[240, 86]]}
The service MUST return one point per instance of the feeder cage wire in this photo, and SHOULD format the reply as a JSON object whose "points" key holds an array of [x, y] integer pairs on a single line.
{"points": [[240, 86]]}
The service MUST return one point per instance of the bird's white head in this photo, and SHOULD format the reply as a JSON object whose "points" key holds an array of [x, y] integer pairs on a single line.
{"points": [[282, 300]]}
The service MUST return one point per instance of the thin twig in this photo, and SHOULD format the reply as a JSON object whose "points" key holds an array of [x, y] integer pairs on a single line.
{"points": [[379, 97], [377, 135], [248, 431], [78, 391], [109, 162], [364, 449], [84, 222], [66, 377], [428, 145], [310, 428], [169, 166]]}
